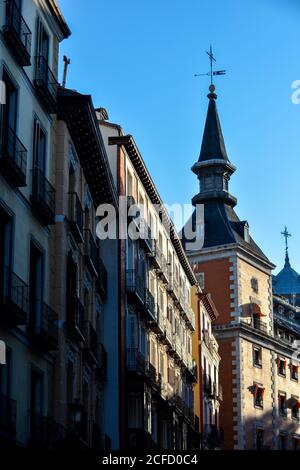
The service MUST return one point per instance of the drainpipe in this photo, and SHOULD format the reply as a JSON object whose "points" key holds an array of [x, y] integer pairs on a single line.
{"points": [[2, 353], [2, 104]]}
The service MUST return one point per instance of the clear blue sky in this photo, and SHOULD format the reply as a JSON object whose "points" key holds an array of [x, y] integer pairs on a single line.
{"points": [[138, 59]]}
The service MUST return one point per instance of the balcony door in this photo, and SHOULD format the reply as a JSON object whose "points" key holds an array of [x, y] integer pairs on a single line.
{"points": [[42, 42], [36, 405], [10, 116], [39, 147], [13, 14], [6, 230], [36, 286]]}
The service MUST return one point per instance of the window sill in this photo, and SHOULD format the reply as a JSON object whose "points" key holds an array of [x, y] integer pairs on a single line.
{"points": [[294, 380], [259, 407], [282, 375], [258, 366]]}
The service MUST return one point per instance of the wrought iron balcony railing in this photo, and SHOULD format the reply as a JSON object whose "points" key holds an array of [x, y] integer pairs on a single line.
{"points": [[14, 299], [13, 157], [75, 318], [76, 217], [43, 325], [135, 361], [146, 237], [259, 325], [43, 197], [91, 346], [135, 286], [102, 279], [150, 305], [8, 415], [91, 253], [46, 84], [17, 33]]}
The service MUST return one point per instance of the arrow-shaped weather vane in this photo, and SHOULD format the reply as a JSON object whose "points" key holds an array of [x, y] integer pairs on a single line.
{"points": [[212, 72]]}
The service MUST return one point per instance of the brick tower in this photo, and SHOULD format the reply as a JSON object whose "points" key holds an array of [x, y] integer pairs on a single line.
{"points": [[238, 275]]}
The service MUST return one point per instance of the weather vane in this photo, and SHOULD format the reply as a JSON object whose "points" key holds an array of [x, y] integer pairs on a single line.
{"points": [[212, 72], [286, 235]]}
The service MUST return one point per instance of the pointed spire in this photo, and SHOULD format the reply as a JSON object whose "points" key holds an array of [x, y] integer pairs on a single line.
{"points": [[286, 235], [213, 145]]}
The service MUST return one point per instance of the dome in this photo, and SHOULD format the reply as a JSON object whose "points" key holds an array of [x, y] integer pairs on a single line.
{"points": [[287, 281]]}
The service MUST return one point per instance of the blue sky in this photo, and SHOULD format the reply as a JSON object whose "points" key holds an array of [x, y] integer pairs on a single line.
{"points": [[138, 59]]}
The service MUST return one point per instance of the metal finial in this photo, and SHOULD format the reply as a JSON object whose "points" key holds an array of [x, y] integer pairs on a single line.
{"points": [[212, 72], [286, 235]]}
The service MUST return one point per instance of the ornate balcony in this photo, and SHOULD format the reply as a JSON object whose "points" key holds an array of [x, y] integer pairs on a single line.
{"points": [[150, 309], [91, 253], [91, 345], [14, 299], [8, 415], [43, 327], [259, 325], [46, 84], [75, 319], [76, 217], [135, 361], [102, 279], [158, 324], [146, 237], [135, 287], [43, 197], [13, 157], [17, 33]]}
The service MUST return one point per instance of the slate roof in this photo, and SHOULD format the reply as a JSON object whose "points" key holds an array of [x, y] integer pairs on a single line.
{"points": [[222, 226], [213, 145], [287, 281]]}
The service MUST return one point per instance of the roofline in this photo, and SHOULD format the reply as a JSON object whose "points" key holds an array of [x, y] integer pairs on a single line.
{"points": [[133, 152], [209, 304], [55, 10]]}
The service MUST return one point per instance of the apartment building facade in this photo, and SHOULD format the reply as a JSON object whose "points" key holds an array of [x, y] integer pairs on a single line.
{"points": [[82, 286], [29, 39], [208, 389], [157, 369]]}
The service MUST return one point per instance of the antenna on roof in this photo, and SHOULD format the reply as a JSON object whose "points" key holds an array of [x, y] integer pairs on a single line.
{"points": [[66, 65]]}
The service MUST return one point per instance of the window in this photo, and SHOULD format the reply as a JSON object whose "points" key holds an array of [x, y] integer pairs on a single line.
{"points": [[257, 357], [129, 184], [6, 232], [10, 117], [5, 376], [258, 396], [36, 285], [281, 365], [259, 439], [295, 408], [42, 47], [254, 285], [39, 147], [294, 372], [282, 404]]}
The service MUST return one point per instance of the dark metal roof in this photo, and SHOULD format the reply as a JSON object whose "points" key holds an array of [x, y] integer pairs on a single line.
{"points": [[213, 145], [78, 112], [223, 227], [287, 281]]}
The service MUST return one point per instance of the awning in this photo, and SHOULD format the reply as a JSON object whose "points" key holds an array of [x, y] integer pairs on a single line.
{"points": [[256, 310]]}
